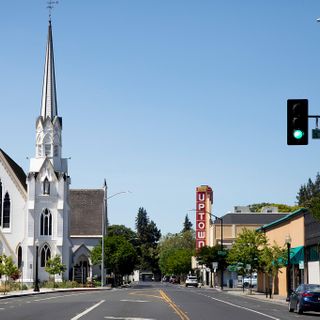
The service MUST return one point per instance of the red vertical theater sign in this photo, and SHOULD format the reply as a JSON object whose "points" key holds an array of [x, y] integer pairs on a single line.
{"points": [[203, 207]]}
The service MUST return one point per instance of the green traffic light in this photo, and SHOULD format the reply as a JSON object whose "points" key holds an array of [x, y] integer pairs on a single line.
{"points": [[298, 134]]}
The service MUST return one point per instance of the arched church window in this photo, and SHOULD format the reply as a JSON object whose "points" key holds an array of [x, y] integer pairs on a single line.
{"points": [[46, 186], [47, 149], [46, 223], [0, 203], [45, 255], [19, 257], [55, 151], [39, 150], [6, 211]]}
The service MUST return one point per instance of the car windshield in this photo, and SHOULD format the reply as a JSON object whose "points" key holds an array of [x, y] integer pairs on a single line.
{"points": [[312, 287]]}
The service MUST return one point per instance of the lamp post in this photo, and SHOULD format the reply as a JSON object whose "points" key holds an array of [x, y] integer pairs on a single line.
{"points": [[104, 225], [221, 239], [288, 243], [36, 280]]}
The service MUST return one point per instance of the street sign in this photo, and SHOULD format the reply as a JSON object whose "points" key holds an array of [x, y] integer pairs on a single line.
{"points": [[214, 265], [222, 253], [301, 264], [316, 133]]}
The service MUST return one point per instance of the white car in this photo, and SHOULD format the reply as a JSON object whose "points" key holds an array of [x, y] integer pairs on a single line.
{"points": [[250, 281], [192, 281]]}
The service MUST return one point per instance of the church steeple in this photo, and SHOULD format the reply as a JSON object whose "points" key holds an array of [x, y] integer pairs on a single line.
{"points": [[49, 94], [49, 124]]}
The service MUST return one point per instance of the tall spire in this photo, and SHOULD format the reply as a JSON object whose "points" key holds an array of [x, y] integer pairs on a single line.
{"points": [[49, 94]]}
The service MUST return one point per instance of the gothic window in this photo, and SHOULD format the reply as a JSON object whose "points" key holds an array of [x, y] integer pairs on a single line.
{"points": [[6, 211], [19, 257], [39, 150], [47, 149], [0, 203], [46, 223], [45, 255], [46, 186], [55, 151]]}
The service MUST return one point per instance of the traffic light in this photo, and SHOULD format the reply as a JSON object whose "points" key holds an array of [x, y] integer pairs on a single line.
{"points": [[297, 121]]}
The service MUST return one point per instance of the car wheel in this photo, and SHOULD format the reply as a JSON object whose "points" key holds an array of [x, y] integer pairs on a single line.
{"points": [[299, 308], [290, 308]]}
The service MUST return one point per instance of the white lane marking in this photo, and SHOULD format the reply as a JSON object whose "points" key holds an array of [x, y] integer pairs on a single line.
{"points": [[56, 297], [134, 300], [240, 307], [1, 308], [121, 318], [87, 310]]}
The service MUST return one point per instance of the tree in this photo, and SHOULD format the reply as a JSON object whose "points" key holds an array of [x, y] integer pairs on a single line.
{"points": [[256, 207], [247, 251], [309, 196], [206, 255], [273, 258], [8, 269], [54, 266], [175, 252], [121, 230], [120, 255], [187, 225], [148, 236]]}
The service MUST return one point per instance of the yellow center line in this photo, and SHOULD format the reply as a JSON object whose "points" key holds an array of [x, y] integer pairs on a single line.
{"points": [[179, 312], [145, 294]]}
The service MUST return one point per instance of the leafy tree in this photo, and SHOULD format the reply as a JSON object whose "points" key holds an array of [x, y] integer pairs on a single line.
{"points": [[175, 252], [120, 255], [257, 207], [309, 196], [247, 250], [187, 225], [8, 269], [121, 230], [273, 258], [206, 255], [55, 266]]}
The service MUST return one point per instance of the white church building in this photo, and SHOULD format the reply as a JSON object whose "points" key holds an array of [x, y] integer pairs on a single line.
{"points": [[40, 217]]}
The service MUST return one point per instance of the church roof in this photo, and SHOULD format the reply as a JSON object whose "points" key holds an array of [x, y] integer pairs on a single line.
{"points": [[49, 94], [18, 171], [86, 209]]}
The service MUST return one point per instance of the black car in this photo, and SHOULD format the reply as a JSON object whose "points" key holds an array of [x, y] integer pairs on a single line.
{"points": [[305, 298]]}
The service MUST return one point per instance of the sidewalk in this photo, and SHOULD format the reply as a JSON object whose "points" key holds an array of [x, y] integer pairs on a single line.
{"points": [[30, 292]]}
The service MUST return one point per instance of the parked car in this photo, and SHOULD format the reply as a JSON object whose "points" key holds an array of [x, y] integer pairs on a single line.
{"points": [[165, 278], [173, 279], [305, 298], [192, 281], [250, 281]]}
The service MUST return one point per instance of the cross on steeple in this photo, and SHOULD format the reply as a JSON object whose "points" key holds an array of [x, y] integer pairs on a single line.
{"points": [[50, 7]]}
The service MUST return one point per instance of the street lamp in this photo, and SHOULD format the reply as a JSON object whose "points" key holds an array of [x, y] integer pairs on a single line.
{"points": [[288, 243], [104, 222], [36, 280], [221, 239]]}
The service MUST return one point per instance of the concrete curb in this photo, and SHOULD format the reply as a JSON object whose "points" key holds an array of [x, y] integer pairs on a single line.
{"points": [[48, 291]]}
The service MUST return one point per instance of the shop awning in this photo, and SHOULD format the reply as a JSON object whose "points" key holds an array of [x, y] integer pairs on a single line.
{"points": [[296, 255]]}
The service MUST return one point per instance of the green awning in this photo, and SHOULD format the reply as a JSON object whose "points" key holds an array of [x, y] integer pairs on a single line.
{"points": [[296, 255]]}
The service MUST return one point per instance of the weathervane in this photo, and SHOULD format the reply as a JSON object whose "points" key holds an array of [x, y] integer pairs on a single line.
{"points": [[50, 6]]}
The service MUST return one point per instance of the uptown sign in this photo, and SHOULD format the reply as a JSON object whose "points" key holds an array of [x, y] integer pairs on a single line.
{"points": [[203, 209]]}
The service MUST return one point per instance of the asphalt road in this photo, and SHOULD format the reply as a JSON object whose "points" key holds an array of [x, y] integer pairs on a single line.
{"points": [[146, 301]]}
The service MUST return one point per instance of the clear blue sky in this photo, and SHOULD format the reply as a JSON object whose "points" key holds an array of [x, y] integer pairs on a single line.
{"points": [[159, 97]]}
